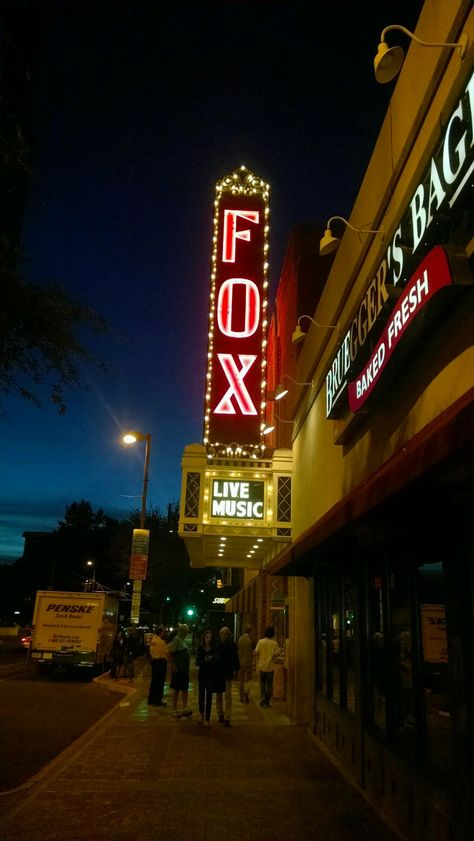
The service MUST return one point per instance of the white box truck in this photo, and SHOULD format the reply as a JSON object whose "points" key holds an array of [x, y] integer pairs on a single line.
{"points": [[72, 630]]}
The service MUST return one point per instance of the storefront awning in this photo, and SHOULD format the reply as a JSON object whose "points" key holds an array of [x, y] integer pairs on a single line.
{"points": [[246, 600], [446, 436]]}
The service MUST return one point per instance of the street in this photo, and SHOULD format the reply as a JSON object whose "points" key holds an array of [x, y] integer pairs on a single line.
{"points": [[40, 717], [12, 654]]}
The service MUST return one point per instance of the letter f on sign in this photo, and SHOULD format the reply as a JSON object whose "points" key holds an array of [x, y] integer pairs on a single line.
{"points": [[237, 387], [231, 234]]}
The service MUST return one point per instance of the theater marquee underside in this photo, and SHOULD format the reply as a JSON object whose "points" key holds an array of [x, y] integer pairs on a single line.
{"points": [[234, 512]]}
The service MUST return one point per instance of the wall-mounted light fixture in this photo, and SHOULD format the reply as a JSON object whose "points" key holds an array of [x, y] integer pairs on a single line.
{"points": [[388, 61], [281, 391], [271, 426], [329, 242], [298, 334]]}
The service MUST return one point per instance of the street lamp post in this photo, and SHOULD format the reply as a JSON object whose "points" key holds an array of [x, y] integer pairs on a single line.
{"points": [[132, 438], [91, 564]]}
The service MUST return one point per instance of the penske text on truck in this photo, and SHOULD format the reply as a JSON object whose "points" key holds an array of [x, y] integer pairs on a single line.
{"points": [[72, 630]]}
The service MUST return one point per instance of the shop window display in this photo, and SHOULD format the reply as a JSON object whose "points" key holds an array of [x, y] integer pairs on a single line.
{"points": [[401, 661], [391, 696], [334, 630], [349, 631], [321, 662], [377, 646], [278, 619], [335, 660], [409, 684], [435, 665]]}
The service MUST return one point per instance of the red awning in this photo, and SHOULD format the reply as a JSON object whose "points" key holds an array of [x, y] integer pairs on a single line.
{"points": [[444, 437]]}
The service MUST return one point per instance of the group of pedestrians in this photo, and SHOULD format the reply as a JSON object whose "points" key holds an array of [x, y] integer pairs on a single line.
{"points": [[125, 648], [176, 654], [219, 661]]}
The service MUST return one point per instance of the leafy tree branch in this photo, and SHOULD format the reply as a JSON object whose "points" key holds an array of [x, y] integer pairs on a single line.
{"points": [[41, 345]]}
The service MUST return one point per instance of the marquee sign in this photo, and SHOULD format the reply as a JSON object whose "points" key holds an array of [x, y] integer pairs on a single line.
{"points": [[238, 313], [234, 499], [432, 216]]}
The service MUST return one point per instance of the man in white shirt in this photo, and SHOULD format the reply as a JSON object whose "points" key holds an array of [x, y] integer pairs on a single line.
{"points": [[266, 651]]}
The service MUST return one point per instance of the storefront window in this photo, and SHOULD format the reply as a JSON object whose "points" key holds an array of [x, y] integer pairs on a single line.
{"points": [[435, 660], [278, 620], [349, 644], [335, 639], [409, 671], [402, 657], [377, 646], [322, 613]]}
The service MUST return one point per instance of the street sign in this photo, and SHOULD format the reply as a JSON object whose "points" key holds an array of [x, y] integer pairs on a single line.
{"points": [[139, 557], [138, 567]]}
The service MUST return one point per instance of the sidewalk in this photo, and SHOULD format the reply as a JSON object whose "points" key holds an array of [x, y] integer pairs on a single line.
{"points": [[142, 775]]}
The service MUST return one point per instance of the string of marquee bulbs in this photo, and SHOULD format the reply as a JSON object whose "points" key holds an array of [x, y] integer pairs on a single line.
{"points": [[241, 182]]}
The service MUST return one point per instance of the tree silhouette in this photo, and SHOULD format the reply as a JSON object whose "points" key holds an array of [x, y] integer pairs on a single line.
{"points": [[57, 560], [170, 578], [40, 335]]}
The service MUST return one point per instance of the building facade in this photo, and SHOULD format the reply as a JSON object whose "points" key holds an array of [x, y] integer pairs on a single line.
{"points": [[381, 647], [376, 583]]}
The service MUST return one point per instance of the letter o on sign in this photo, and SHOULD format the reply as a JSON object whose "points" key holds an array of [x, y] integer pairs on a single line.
{"points": [[225, 307]]}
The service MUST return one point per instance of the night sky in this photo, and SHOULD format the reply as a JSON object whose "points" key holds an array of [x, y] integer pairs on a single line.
{"points": [[140, 108]]}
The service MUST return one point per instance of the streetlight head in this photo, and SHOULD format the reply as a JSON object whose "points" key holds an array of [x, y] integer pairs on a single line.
{"points": [[133, 436]]}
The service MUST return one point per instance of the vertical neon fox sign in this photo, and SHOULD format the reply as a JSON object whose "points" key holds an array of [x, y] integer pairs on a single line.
{"points": [[235, 387]]}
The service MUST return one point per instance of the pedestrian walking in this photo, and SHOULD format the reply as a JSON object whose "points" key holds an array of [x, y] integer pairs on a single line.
{"points": [[228, 667], [159, 661], [116, 657], [265, 652], [179, 653], [206, 662], [245, 650], [130, 651]]}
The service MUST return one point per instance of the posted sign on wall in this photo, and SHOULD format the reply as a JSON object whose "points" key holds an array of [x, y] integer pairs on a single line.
{"points": [[237, 316]]}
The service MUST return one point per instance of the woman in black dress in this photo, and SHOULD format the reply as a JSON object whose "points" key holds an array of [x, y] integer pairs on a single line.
{"points": [[207, 662]]}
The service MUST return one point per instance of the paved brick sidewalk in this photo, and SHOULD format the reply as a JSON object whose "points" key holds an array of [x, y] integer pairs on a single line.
{"points": [[142, 775]]}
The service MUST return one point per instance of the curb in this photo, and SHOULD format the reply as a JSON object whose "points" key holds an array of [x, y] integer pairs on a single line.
{"points": [[112, 685]]}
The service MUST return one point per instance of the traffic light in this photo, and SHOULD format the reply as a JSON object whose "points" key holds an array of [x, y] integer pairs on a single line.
{"points": [[190, 612]]}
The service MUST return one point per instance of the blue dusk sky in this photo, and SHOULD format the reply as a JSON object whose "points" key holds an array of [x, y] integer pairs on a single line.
{"points": [[140, 107]]}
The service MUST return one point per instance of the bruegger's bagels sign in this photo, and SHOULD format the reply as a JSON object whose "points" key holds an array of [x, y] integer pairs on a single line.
{"points": [[403, 275]]}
